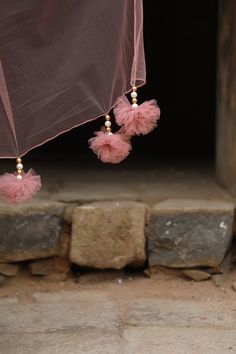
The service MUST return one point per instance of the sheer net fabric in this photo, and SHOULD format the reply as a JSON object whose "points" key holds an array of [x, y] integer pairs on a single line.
{"points": [[63, 63]]}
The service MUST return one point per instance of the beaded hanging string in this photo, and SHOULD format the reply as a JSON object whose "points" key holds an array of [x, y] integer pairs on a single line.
{"points": [[108, 124], [19, 168], [134, 96], [134, 119]]}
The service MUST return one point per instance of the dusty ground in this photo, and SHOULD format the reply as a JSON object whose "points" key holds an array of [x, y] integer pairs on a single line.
{"points": [[117, 313]]}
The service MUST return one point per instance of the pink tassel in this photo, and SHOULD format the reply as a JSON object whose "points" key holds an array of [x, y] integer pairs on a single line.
{"points": [[14, 190], [141, 119], [110, 148]]}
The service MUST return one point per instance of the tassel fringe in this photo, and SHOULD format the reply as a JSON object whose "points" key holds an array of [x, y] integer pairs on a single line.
{"points": [[137, 119], [110, 148], [14, 190]]}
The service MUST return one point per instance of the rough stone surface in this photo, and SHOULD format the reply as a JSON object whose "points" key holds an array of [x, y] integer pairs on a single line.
{"points": [[9, 269], [30, 231], [41, 267], [196, 274], [188, 233], [108, 235]]}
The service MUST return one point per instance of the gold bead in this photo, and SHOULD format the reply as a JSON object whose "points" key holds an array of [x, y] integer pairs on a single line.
{"points": [[134, 100], [109, 129], [134, 88], [18, 160], [108, 117], [19, 172]]}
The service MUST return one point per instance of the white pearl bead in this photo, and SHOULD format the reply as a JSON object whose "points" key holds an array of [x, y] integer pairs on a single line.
{"points": [[135, 105], [107, 124], [133, 94], [19, 166], [19, 177], [110, 133]]}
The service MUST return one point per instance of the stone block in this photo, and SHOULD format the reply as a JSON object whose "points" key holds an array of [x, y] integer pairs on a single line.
{"points": [[196, 274], [188, 233], [108, 235], [9, 269], [30, 231], [42, 267]]}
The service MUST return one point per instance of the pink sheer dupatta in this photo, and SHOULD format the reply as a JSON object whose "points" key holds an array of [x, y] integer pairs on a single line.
{"points": [[63, 63]]}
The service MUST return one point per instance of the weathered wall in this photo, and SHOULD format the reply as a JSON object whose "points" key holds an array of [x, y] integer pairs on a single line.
{"points": [[226, 97]]}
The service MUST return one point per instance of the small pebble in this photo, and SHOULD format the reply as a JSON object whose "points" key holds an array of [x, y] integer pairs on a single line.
{"points": [[119, 281]]}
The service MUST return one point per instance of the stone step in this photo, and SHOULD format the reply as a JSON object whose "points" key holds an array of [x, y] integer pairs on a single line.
{"points": [[109, 235], [190, 232], [30, 231], [181, 233]]}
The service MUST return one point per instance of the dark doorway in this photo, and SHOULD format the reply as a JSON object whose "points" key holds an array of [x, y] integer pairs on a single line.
{"points": [[180, 42]]}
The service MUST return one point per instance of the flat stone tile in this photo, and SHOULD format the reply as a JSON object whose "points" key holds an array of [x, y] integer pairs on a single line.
{"points": [[52, 317], [157, 340], [84, 341], [151, 312]]}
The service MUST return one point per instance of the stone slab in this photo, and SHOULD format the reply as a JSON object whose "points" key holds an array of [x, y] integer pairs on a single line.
{"points": [[29, 231], [42, 266], [177, 313], [83, 341], [52, 317], [155, 340], [196, 274], [190, 232], [109, 235], [9, 269]]}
